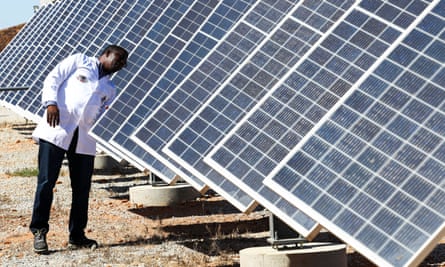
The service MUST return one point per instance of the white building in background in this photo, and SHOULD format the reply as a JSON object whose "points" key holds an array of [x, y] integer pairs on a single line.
{"points": [[45, 2]]}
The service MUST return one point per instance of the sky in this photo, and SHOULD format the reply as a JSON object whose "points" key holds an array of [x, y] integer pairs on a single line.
{"points": [[16, 12]]}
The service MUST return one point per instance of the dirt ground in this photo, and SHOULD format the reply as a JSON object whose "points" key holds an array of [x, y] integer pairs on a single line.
{"points": [[207, 231]]}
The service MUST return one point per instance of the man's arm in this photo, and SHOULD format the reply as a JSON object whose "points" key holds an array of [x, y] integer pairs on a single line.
{"points": [[52, 84]]}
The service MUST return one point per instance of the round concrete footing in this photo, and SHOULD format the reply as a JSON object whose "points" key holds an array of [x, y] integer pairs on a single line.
{"points": [[309, 255], [162, 195], [105, 163]]}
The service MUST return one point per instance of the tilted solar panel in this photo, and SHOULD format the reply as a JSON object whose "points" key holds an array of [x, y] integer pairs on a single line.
{"points": [[247, 155]]}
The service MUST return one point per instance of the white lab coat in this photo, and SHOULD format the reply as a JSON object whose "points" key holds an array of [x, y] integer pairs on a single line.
{"points": [[80, 96]]}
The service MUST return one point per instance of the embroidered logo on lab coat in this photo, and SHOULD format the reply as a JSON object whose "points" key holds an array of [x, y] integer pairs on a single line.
{"points": [[82, 79]]}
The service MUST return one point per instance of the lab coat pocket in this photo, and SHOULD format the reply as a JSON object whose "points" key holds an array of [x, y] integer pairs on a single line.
{"points": [[92, 109]]}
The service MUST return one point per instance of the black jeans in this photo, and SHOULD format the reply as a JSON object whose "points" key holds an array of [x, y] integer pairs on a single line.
{"points": [[81, 167]]}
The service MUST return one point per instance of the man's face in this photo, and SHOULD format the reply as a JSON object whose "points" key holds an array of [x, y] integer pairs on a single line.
{"points": [[113, 61]]}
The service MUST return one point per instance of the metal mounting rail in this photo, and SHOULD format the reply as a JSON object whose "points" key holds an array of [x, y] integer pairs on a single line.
{"points": [[13, 88]]}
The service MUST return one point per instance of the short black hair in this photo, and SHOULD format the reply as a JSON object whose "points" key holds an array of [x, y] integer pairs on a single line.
{"points": [[115, 48]]}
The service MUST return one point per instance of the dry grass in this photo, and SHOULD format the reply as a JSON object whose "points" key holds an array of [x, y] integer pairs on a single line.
{"points": [[23, 172]]}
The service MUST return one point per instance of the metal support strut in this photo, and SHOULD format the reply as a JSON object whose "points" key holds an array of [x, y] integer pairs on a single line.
{"points": [[282, 236]]}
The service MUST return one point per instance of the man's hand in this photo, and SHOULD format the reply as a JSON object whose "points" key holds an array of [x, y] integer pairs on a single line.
{"points": [[52, 115]]}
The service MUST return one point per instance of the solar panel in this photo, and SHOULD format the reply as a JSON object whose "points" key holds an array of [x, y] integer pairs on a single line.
{"points": [[368, 164], [288, 42]]}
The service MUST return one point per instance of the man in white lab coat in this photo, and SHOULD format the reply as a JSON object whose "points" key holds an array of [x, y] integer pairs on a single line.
{"points": [[74, 94]]}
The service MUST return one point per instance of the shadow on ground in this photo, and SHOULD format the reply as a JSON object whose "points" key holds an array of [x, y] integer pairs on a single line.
{"points": [[218, 229], [25, 129], [187, 209]]}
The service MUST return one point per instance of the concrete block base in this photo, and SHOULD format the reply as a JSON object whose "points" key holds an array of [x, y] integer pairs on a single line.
{"points": [[105, 163], [309, 255], [162, 195]]}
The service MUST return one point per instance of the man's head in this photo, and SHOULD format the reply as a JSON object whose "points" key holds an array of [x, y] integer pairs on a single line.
{"points": [[113, 59]]}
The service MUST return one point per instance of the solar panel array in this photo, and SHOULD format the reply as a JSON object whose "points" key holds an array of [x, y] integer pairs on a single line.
{"points": [[327, 112], [121, 121], [270, 60], [372, 171], [153, 82]]}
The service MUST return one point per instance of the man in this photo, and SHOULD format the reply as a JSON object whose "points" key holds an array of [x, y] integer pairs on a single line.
{"points": [[74, 94]]}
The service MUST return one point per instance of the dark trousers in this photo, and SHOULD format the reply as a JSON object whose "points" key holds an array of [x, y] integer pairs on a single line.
{"points": [[81, 167]]}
